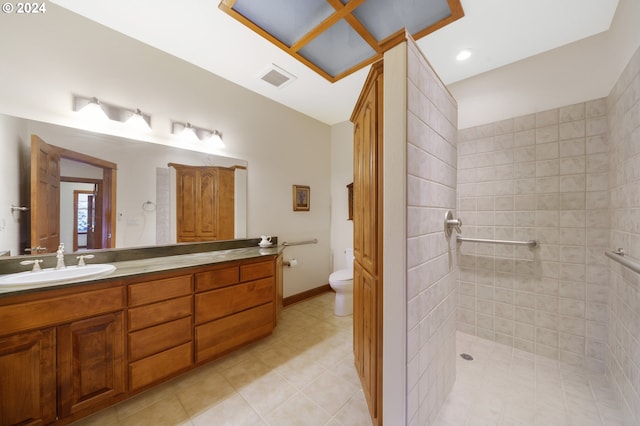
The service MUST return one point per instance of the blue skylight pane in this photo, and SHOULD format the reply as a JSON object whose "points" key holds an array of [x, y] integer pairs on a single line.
{"points": [[286, 20], [383, 17], [337, 49]]}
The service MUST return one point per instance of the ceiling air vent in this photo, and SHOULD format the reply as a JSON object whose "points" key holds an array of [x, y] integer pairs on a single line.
{"points": [[276, 76]]}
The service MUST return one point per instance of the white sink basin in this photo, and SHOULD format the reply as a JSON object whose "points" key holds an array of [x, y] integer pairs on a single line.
{"points": [[51, 276]]}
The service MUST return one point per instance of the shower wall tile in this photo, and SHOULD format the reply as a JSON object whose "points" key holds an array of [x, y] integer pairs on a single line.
{"points": [[609, 280], [552, 188], [432, 176]]}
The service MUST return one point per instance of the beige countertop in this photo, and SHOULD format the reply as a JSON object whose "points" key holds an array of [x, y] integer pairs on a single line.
{"points": [[131, 268]]}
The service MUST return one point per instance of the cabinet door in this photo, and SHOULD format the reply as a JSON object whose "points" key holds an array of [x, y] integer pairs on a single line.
{"points": [[367, 244], [365, 333], [186, 204], [366, 197], [28, 378], [90, 362]]}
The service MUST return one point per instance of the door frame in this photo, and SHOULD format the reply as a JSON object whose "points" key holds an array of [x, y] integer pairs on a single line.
{"points": [[108, 198]]}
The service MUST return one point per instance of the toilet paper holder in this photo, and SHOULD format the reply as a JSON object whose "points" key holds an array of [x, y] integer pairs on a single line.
{"points": [[290, 263]]}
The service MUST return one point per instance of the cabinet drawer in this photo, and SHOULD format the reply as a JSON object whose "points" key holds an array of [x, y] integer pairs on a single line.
{"points": [[253, 271], [218, 337], [158, 313], [158, 338], [225, 301], [159, 366], [58, 310], [217, 278], [157, 290]]}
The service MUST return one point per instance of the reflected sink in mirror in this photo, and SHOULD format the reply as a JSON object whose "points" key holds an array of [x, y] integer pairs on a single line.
{"points": [[52, 276]]}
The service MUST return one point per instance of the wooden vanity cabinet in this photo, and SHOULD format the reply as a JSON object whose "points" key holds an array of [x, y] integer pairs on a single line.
{"points": [[61, 354], [159, 329], [66, 353], [234, 305]]}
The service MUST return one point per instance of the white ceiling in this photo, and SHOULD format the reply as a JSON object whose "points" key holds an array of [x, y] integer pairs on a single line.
{"points": [[498, 32]]}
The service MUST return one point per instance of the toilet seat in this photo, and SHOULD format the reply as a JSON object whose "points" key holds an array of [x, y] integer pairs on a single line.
{"points": [[341, 275]]}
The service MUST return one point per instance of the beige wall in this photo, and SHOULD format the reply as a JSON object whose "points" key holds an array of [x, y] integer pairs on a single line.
{"points": [[52, 56], [11, 170], [341, 176]]}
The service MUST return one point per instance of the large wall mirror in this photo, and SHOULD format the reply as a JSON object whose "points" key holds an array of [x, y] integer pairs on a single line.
{"points": [[143, 190]]}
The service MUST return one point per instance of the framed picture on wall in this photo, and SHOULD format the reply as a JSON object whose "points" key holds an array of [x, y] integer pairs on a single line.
{"points": [[301, 198]]}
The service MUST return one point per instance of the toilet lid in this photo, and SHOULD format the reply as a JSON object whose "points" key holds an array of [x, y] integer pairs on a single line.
{"points": [[341, 275]]}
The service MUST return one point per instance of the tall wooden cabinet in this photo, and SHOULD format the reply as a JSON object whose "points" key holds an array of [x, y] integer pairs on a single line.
{"points": [[205, 203], [367, 244]]}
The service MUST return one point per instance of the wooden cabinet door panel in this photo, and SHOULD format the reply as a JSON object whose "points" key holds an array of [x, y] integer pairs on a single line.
{"points": [[367, 120], [226, 203], [206, 203], [155, 339], [57, 310], [253, 271], [225, 301], [186, 204], [366, 174], [220, 277], [157, 313], [218, 337], [90, 362], [157, 290], [28, 378], [160, 366], [369, 375], [205, 213]]}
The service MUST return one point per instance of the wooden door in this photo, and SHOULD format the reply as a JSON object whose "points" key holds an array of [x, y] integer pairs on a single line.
{"points": [[28, 378], [205, 203], [45, 196], [367, 244], [226, 203], [91, 363]]}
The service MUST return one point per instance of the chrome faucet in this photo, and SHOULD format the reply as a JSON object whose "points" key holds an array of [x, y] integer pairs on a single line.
{"points": [[60, 257]]}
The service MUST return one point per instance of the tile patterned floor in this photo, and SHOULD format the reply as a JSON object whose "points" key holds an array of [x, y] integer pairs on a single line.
{"points": [[504, 386], [301, 375]]}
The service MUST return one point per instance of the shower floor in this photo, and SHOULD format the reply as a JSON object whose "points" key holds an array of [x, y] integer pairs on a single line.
{"points": [[506, 386]]}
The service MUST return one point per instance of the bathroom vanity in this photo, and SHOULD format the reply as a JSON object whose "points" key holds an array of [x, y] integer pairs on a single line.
{"points": [[69, 350]]}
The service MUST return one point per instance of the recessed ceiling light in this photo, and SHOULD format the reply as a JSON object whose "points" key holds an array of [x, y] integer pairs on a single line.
{"points": [[463, 55]]}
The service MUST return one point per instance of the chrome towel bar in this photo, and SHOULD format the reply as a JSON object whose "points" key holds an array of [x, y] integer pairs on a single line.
{"points": [[618, 256], [300, 243], [530, 243]]}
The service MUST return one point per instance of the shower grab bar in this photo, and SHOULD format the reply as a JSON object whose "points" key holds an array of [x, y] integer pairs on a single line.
{"points": [[300, 243], [530, 243], [618, 256]]}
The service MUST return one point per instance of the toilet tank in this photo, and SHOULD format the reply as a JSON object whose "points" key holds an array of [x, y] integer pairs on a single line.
{"points": [[348, 253]]}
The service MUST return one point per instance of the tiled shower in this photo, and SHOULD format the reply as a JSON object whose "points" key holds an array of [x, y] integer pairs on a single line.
{"points": [[568, 178]]}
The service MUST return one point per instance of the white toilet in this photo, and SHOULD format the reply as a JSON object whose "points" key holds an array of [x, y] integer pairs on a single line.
{"points": [[341, 282]]}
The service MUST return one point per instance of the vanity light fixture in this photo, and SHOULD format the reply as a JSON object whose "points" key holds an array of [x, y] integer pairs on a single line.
{"points": [[463, 55], [188, 131], [90, 109], [95, 109], [139, 121]]}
